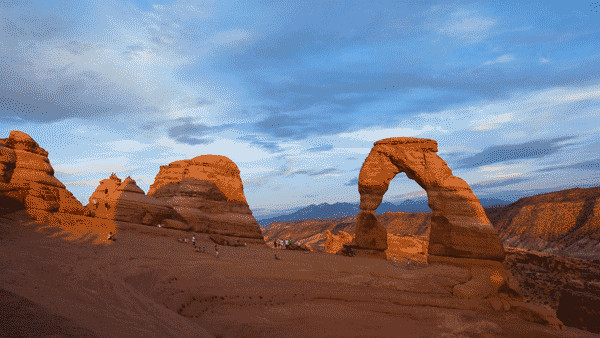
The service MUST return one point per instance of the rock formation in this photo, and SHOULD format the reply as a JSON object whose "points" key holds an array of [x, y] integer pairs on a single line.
{"points": [[459, 225], [563, 222], [207, 192], [27, 180], [124, 201], [333, 243]]}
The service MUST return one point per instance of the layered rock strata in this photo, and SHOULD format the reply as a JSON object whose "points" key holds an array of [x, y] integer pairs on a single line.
{"points": [[459, 225], [207, 192], [126, 202], [563, 222], [27, 180]]}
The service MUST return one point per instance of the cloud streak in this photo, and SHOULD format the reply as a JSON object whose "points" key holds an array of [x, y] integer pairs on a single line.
{"points": [[520, 151]]}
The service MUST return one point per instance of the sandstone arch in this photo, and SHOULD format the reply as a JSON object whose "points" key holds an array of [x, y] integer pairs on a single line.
{"points": [[459, 225]]}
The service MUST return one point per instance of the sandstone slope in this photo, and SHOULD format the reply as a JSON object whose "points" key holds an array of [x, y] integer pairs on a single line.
{"points": [[149, 284], [562, 222]]}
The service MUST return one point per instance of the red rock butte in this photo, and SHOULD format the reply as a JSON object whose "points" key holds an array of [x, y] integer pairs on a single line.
{"points": [[27, 180], [459, 225], [207, 192]]}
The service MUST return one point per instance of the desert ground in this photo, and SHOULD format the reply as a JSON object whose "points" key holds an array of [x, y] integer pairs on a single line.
{"points": [[69, 281]]}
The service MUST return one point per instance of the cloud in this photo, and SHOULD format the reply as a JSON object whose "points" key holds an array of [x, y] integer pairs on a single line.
{"points": [[503, 182], [189, 133], [82, 183], [585, 165], [501, 59], [297, 125], [527, 150], [352, 182], [128, 145], [95, 165], [257, 141], [468, 26], [544, 60], [493, 122], [375, 133], [193, 140], [313, 172], [325, 147]]}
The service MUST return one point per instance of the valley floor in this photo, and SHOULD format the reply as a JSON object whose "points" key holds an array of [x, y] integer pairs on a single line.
{"points": [[147, 283]]}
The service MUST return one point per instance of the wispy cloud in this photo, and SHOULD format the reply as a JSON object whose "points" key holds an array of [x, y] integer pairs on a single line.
{"points": [[325, 147], [128, 146], [492, 122], [502, 182], [262, 142], [375, 133], [94, 165], [501, 59], [82, 183], [190, 133], [593, 165], [352, 182], [467, 25], [520, 151], [313, 172], [544, 60]]}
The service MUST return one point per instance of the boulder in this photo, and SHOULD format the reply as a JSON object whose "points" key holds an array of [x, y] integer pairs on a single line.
{"points": [[207, 192], [333, 243], [459, 225]]}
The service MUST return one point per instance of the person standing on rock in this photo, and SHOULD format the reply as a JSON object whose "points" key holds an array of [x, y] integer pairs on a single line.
{"points": [[216, 251], [194, 240]]}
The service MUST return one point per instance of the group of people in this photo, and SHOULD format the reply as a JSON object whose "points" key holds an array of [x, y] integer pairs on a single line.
{"points": [[198, 248], [408, 261], [282, 243]]}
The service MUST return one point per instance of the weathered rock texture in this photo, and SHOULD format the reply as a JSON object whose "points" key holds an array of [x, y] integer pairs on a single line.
{"points": [[564, 222], [579, 305], [207, 192], [459, 225], [125, 201], [27, 179], [544, 277]]}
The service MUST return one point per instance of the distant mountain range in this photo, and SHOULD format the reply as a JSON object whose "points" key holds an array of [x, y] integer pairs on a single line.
{"points": [[326, 210]]}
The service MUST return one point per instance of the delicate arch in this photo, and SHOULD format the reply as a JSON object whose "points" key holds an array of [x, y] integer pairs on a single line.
{"points": [[459, 225]]}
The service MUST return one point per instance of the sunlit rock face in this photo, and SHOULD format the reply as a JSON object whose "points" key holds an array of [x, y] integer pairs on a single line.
{"points": [[207, 192], [564, 222], [126, 202], [27, 179], [459, 225]]}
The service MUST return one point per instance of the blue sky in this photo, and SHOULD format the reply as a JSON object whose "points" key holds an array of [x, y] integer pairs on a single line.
{"points": [[297, 92]]}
